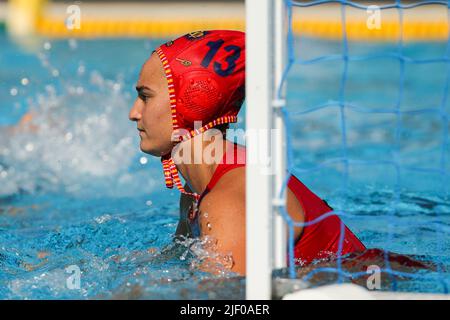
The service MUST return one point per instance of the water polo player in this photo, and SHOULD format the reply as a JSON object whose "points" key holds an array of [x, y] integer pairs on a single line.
{"points": [[189, 90]]}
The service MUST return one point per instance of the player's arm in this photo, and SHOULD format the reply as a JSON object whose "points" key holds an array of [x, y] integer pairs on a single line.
{"points": [[25, 124], [222, 220]]}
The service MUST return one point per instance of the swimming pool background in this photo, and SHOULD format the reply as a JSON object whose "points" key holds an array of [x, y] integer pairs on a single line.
{"points": [[79, 192]]}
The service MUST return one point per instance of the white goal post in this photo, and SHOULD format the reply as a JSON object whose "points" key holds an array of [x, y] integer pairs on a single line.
{"points": [[266, 239]]}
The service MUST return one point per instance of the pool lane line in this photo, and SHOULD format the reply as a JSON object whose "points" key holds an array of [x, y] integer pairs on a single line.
{"points": [[331, 30]]}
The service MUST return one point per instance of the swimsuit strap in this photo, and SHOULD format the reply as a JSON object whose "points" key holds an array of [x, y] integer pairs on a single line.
{"points": [[223, 167]]}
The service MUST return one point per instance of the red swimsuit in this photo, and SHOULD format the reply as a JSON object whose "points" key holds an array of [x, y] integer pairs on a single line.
{"points": [[317, 241]]}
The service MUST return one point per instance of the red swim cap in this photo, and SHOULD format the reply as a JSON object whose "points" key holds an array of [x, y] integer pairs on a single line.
{"points": [[205, 73]]}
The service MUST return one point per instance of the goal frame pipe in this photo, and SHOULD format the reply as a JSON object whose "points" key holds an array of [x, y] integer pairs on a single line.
{"points": [[279, 137], [265, 229]]}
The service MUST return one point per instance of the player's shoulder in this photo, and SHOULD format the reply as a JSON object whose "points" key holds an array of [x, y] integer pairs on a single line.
{"points": [[227, 194]]}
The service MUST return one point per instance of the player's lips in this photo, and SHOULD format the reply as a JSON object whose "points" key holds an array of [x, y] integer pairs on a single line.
{"points": [[141, 131]]}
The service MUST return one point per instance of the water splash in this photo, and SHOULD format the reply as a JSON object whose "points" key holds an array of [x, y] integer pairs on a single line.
{"points": [[77, 140]]}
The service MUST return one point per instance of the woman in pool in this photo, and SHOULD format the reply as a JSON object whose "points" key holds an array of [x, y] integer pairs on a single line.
{"points": [[201, 77]]}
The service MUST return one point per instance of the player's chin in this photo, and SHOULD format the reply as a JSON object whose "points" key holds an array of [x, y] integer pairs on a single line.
{"points": [[150, 147]]}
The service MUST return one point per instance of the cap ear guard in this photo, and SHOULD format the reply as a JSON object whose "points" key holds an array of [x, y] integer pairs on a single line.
{"points": [[199, 97]]}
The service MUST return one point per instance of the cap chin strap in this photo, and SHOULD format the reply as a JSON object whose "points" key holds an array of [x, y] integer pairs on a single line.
{"points": [[170, 169], [172, 177]]}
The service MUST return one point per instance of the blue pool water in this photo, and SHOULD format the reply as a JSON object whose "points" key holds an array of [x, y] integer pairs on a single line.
{"points": [[76, 191]]}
